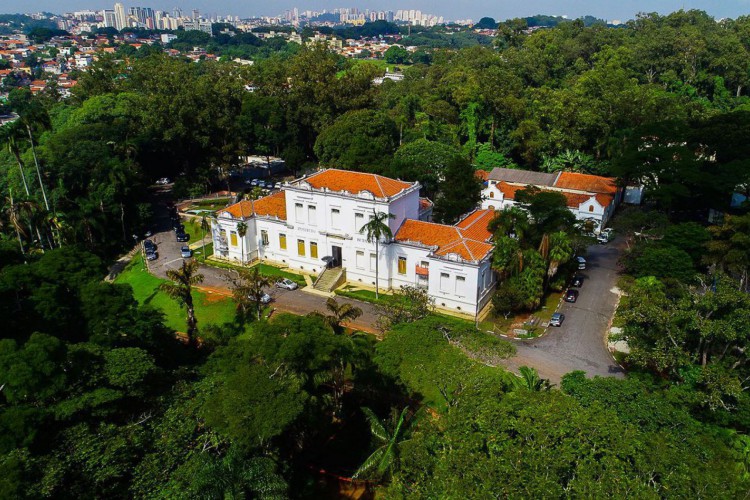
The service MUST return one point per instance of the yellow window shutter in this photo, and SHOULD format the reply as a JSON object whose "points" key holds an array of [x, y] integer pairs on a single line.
{"points": [[282, 241], [233, 239], [313, 250], [301, 247]]}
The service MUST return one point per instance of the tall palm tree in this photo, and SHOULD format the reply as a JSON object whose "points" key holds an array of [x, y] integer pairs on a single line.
{"points": [[340, 313], [249, 288], [181, 290], [384, 459], [205, 226], [376, 230], [528, 380], [242, 231], [14, 217], [9, 135]]}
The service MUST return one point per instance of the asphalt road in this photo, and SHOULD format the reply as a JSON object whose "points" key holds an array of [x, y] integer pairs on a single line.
{"points": [[580, 343]]}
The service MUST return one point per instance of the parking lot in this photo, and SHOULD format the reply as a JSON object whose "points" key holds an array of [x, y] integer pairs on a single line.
{"points": [[580, 343]]}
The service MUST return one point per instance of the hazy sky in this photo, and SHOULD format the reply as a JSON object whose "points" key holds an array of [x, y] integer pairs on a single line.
{"points": [[453, 9]]}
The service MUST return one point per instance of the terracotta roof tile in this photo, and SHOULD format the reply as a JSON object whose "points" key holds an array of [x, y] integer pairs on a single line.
{"points": [[356, 182], [476, 225], [445, 239], [269, 206], [482, 175], [585, 182]]}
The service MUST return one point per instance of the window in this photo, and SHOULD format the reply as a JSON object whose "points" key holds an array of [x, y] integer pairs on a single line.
{"points": [[301, 248], [282, 241], [335, 216], [424, 263], [313, 250], [402, 265], [591, 208], [233, 238], [224, 234], [264, 237], [360, 260], [445, 279], [312, 215], [298, 212], [373, 260], [460, 286], [492, 194], [359, 221]]}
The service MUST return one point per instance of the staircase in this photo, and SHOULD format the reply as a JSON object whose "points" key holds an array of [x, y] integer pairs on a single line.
{"points": [[330, 279]]}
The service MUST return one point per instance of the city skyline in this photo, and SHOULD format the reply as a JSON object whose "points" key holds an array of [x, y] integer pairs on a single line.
{"points": [[448, 9]]}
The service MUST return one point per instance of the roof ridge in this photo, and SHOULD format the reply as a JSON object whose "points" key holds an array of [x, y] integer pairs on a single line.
{"points": [[377, 180]]}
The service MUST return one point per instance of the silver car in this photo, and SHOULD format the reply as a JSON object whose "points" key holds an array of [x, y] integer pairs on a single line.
{"points": [[286, 284], [557, 319], [186, 252]]}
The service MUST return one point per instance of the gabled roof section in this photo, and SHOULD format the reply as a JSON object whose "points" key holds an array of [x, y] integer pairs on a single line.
{"points": [[585, 182], [273, 205], [525, 177], [448, 240], [356, 182], [476, 225]]}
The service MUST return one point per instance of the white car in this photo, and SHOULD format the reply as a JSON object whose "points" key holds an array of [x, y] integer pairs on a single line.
{"points": [[265, 299], [287, 284], [581, 262]]}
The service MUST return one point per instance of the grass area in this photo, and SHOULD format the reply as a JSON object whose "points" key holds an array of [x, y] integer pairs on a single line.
{"points": [[208, 308], [213, 204], [549, 306], [363, 295], [198, 252], [498, 323], [193, 228], [265, 269]]}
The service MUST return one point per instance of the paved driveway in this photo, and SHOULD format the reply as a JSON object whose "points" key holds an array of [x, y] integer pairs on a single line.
{"points": [[580, 343]]}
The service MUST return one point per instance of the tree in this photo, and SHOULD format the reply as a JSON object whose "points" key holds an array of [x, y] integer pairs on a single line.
{"points": [[663, 262], [396, 55], [205, 226], [241, 232], [9, 134], [358, 140], [407, 305], [385, 458], [529, 380], [729, 248], [424, 161], [181, 290], [486, 23], [377, 229], [460, 191], [487, 158], [248, 289], [339, 314]]}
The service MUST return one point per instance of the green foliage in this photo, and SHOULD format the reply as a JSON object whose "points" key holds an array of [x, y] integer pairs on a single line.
{"points": [[396, 55], [664, 262], [487, 159], [424, 161], [460, 191], [358, 140]]}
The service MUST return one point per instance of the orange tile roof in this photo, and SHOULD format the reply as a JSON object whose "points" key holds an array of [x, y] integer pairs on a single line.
{"points": [[476, 225], [482, 175], [573, 200], [424, 204], [585, 182], [446, 239], [356, 182], [273, 205]]}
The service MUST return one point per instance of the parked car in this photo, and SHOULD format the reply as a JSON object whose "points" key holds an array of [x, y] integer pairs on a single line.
{"points": [[265, 299], [178, 227], [149, 245], [254, 182], [577, 281], [186, 252], [248, 182], [163, 181], [557, 319], [571, 296], [581, 262], [605, 236], [278, 185], [262, 184], [152, 255], [287, 284], [183, 237]]}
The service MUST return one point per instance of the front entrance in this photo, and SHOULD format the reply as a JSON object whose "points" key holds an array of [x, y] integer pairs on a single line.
{"points": [[336, 254]]}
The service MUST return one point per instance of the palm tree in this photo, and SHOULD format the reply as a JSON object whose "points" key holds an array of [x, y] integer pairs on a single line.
{"points": [[340, 313], [181, 290], [205, 226], [242, 231], [377, 229], [529, 380], [384, 459], [512, 222], [249, 288], [14, 217], [9, 135]]}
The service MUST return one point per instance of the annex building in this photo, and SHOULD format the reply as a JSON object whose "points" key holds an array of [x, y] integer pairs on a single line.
{"points": [[590, 197], [314, 225]]}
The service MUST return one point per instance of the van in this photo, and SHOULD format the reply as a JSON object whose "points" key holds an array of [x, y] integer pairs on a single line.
{"points": [[581, 262]]}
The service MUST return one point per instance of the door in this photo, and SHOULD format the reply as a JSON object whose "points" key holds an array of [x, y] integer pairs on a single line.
{"points": [[336, 254]]}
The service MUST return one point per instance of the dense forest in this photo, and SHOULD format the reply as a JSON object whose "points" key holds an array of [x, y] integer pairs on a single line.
{"points": [[99, 399]]}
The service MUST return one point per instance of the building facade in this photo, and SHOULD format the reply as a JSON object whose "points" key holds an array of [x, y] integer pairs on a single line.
{"points": [[318, 219], [589, 197]]}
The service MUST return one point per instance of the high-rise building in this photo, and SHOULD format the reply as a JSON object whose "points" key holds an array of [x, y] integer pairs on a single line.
{"points": [[108, 16], [121, 21]]}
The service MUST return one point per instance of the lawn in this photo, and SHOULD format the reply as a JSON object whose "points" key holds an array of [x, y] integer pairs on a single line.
{"points": [[193, 228], [364, 295], [497, 323], [209, 308], [265, 269]]}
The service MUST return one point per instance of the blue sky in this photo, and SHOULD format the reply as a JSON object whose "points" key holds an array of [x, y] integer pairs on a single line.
{"points": [[453, 9]]}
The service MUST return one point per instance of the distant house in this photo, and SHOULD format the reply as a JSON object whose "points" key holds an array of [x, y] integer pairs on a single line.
{"points": [[589, 197]]}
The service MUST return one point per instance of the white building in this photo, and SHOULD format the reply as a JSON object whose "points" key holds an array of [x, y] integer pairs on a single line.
{"points": [[321, 216], [589, 197]]}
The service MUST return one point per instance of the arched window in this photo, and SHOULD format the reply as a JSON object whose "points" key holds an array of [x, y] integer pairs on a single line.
{"points": [[591, 208], [492, 195]]}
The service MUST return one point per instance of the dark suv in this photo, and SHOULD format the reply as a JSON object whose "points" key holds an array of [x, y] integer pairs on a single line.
{"points": [[571, 295]]}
